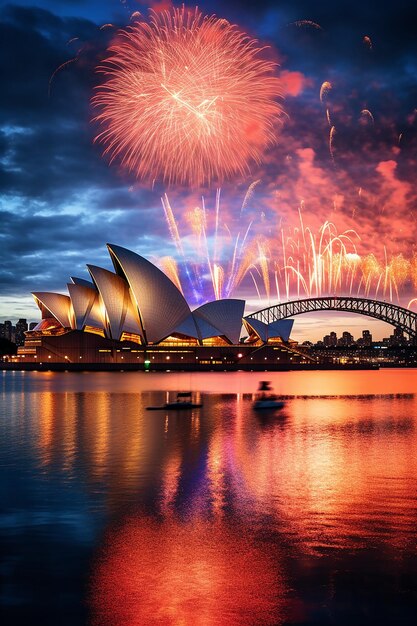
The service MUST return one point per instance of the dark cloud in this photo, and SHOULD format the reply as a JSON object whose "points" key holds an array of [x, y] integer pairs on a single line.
{"points": [[61, 201], [94, 10]]}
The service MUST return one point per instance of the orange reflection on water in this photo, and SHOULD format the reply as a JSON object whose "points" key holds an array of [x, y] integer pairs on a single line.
{"points": [[98, 429], [329, 471], [197, 573], [291, 383], [334, 470], [216, 473], [45, 431], [170, 480], [69, 432]]}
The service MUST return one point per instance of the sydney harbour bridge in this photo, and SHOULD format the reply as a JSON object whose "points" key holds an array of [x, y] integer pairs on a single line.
{"points": [[398, 316]]}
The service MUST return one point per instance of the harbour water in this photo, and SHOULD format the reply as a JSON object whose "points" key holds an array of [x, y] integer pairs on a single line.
{"points": [[113, 515]]}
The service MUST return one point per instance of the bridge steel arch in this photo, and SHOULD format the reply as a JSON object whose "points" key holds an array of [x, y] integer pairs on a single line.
{"points": [[385, 311]]}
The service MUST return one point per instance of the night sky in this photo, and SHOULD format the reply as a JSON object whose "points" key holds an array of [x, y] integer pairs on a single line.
{"points": [[61, 201]]}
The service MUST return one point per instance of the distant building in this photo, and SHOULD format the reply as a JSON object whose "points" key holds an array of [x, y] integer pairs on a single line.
{"points": [[8, 330], [346, 339], [20, 329], [397, 338], [329, 341], [366, 338]]}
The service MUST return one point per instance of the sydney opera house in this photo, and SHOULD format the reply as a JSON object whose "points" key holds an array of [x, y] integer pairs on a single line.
{"points": [[138, 318]]}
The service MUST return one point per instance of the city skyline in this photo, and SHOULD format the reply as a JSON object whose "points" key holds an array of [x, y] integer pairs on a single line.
{"points": [[359, 330]]}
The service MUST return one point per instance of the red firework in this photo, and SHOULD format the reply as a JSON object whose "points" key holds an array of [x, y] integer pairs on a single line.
{"points": [[186, 99]]}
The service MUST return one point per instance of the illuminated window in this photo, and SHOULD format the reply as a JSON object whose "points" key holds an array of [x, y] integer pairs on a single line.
{"points": [[94, 330], [133, 337], [215, 341], [179, 340], [211, 362]]}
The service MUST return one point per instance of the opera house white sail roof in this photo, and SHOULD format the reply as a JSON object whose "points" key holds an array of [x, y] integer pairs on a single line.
{"points": [[139, 302]]}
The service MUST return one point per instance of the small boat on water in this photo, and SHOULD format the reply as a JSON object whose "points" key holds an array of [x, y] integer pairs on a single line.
{"points": [[266, 399], [184, 401]]}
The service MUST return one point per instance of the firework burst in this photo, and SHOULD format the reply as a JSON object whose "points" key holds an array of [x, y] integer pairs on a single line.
{"points": [[186, 99], [216, 256]]}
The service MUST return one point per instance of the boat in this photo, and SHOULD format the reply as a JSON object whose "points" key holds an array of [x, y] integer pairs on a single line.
{"points": [[266, 399], [184, 401]]}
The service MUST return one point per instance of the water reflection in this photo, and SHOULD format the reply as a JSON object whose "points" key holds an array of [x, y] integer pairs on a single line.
{"points": [[193, 571], [215, 516], [318, 462]]}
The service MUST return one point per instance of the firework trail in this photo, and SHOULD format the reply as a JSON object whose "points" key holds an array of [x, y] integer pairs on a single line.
{"points": [[186, 99], [172, 224], [298, 263], [328, 263], [170, 268], [306, 24], [367, 116], [83, 48], [218, 278], [249, 195], [325, 90], [264, 267], [413, 270], [170, 263], [332, 135], [329, 119], [59, 69], [216, 232], [218, 253], [367, 42]]}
